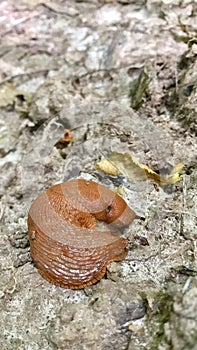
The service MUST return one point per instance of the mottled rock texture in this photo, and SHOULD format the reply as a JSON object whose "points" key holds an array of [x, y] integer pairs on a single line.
{"points": [[121, 75]]}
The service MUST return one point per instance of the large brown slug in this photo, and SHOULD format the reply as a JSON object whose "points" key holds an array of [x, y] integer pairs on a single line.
{"points": [[74, 231]]}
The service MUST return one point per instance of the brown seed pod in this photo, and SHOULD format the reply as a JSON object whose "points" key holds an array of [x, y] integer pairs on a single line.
{"points": [[74, 232]]}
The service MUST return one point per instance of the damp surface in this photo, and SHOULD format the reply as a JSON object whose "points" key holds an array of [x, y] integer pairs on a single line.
{"points": [[121, 76]]}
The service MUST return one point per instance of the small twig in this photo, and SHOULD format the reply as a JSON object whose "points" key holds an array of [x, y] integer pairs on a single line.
{"points": [[182, 223], [186, 285], [2, 208], [20, 75], [102, 70], [17, 23], [51, 8], [178, 212]]}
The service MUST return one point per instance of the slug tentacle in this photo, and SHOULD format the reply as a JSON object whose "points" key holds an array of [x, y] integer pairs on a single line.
{"points": [[76, 228]]}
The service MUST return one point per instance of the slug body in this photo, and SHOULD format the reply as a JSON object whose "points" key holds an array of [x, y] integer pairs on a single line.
{"points": [[74, 231]]}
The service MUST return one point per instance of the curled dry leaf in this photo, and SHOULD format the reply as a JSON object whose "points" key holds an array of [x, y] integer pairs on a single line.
{"points": [[125, 164]]}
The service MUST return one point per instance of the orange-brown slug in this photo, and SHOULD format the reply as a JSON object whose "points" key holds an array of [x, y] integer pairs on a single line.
{"points": [[74, 231]]}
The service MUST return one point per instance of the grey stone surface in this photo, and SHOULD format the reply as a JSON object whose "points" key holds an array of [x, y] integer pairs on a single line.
{"points": [[79, 65]]}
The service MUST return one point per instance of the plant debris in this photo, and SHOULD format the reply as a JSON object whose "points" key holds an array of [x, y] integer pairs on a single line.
{"points": [[125, 164]]}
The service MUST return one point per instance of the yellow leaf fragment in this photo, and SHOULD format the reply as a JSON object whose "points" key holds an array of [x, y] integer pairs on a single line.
{"points": [[107, 167], [174, 177], [125, 164]]}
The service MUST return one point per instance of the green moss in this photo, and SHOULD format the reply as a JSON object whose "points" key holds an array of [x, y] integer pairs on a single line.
{"points": [[157, 316]]}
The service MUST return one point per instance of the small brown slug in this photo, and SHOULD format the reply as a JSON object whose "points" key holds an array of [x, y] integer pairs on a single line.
{"points": [[74, 231]]}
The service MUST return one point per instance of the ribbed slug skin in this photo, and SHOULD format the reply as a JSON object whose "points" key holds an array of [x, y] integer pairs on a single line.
{"points": [[74, 231]]}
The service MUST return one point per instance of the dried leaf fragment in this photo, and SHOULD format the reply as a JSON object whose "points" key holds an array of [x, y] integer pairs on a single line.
{"points": [[125, 164], [67, 137], [64, 141], [108, 167]]}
